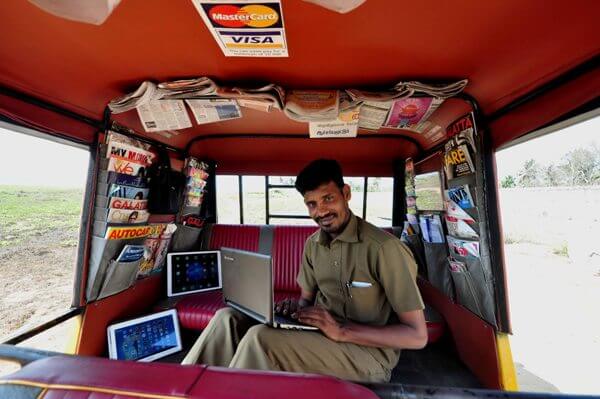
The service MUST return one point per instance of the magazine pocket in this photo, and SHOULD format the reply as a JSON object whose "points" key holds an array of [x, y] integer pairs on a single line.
{"points": [[119, 277], [436, 255], [414, 243], [186, 238], [473, 291], [102, 252]]}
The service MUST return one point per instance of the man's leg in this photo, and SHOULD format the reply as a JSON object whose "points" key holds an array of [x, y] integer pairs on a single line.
{"points": [[219, 340], [266, 348]]}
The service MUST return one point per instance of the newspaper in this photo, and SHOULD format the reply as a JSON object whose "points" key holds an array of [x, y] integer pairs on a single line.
{"points": [[408, 89], [214, 110], [262, 98], [144, 94], [373, 114], [312, 105], [164, 115], [187, 88]]}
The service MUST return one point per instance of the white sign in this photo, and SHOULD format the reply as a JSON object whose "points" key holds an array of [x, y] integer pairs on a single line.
{"points": [[346, 125], [244, 28]]}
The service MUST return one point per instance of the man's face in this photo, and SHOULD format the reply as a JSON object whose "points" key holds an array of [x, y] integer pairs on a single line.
{"points": [[328, 206]]}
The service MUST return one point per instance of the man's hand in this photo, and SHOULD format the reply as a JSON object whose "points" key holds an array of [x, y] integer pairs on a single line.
{"points": [[319, 317], [288, 307]]}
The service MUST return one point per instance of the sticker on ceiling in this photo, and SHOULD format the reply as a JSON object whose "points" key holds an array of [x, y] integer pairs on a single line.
{"points": [[244, 28]]}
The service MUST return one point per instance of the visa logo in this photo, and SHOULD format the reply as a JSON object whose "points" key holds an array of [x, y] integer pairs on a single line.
{"points": [[252, 39]]}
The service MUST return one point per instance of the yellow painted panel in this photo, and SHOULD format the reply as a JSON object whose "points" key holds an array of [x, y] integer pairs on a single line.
{"points": [[508, 374]]}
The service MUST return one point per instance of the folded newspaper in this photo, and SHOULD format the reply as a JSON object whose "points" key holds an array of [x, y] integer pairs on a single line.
{"points": [[188, 88], [312, 105], [407, 89], [144, 94]]}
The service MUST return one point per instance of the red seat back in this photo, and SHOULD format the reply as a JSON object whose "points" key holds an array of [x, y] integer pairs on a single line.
{"points": [[244, 237], [288, 244]]}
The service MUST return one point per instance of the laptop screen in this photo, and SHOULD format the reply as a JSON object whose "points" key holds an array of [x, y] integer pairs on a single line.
{"points": [[189, 272], [146, 338]]}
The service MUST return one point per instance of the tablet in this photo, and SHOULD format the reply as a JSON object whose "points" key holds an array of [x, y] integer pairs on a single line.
{"points": [[146, 338], [189, 272]]}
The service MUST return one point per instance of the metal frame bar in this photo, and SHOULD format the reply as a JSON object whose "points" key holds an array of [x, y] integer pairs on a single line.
{"points": [[20, 337], [365, 186], [241, 198]]}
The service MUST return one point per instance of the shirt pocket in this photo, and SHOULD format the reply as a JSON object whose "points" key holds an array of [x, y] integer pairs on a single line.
{"points": [[365, 297]]}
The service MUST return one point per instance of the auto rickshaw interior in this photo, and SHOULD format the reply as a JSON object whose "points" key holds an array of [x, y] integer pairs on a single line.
{"points": [[522, 71]]}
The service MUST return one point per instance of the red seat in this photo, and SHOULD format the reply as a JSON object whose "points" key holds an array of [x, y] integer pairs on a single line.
{"points": [[87, 377], [195, 311]]}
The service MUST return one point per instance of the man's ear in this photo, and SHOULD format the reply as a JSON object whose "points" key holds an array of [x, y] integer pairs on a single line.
{"points": [[347, 192]]}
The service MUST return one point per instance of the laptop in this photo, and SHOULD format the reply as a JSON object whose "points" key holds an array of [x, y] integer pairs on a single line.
{"points": [[248, 287]]}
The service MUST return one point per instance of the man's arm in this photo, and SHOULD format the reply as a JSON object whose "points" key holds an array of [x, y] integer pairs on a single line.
{"points": [[410, 333]]}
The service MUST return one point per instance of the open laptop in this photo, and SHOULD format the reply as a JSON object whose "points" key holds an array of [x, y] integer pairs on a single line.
{"points": [[248, 287]]}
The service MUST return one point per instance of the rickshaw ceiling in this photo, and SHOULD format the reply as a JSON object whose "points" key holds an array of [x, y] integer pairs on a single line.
{"points": [[506, 49]]}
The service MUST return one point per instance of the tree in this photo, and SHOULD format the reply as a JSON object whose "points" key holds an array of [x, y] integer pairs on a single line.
{"points": [[529, 174], [508, 182], [582, 166], [551, 176]]}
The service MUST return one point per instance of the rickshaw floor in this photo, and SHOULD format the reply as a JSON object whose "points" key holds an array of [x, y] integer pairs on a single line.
{"points": [[435, 365]]}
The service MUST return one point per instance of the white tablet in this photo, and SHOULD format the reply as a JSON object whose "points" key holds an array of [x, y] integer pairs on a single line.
{"points": [[146, 338], [189, 272]]}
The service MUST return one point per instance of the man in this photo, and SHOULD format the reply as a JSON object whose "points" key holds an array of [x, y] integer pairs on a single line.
{"points": [[357, 286]]}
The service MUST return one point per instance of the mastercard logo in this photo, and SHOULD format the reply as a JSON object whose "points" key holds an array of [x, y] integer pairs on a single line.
{"points": [[253, 16]]}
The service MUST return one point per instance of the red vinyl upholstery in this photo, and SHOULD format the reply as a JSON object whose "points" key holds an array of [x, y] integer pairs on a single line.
{"points": [[288, 244], [236, 236], [76, 377], [195, 311]]}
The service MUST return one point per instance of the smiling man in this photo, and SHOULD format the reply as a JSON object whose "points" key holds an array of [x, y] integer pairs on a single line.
{"points": [[358, 286]]}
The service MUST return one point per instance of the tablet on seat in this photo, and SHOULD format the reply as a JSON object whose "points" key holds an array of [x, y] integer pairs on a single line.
{"points": [[146, 338], [189, 272]]}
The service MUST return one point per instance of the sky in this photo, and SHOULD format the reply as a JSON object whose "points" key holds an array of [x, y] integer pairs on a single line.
{"points": [[57, 165], [549, 148], [30, 161]]}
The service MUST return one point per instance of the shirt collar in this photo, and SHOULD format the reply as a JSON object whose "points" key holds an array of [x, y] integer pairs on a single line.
{"points": [[350, 233]]}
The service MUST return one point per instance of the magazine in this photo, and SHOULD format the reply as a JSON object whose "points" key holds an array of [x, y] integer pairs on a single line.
{"points": [[406, 113], [127, 167], [129, 153], [131, 253], [461, 195], [156, 243], [457, 160], [457, 212], [121, 178], [463, 248], [460, 228], [122, 233], [121, 191], [127, 203], [127, 216]]}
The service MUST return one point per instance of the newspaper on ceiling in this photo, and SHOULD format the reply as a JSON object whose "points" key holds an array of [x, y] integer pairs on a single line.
{"points": [[341, 6], [90, 11], [144, 94], [373, 114], [163, 115], [312, 105], [187, 88], [214, 110], [407, 89], [262, 98]]}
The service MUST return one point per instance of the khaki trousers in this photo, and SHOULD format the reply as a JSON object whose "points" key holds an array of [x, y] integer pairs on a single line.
{"points": [[232, 339]]}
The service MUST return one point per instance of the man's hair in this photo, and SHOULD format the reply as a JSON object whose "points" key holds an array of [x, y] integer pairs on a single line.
{"points": [[318, 172]]}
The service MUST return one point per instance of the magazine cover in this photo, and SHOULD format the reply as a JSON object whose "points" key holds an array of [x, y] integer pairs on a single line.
{"points": [[123, 233], [120, 191], [120, 178], [461, 195], [457, 160], [131, 253], [158, 232], [126, 167], [127, 216], [460, 228], [462, 247], [127, 203], [409, 112]]}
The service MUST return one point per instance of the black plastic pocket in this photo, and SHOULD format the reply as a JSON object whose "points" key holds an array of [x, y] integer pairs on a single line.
{"points": [[186, 238]]}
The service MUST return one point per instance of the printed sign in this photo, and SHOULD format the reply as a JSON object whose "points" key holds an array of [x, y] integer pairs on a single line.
{"points": [[346, 125], [245, 29]]}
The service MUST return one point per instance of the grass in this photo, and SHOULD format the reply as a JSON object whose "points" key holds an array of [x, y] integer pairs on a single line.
{"points": [[35, 211]]}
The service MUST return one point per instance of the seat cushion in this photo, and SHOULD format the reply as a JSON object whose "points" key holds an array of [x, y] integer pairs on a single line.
{"points": [[288, 245], [196, 310]]}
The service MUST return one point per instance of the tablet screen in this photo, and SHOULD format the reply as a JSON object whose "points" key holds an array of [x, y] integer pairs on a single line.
{"points": [[189, 272]]}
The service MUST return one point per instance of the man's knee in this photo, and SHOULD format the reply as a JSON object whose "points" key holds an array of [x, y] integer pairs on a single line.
{"points": [[252, 353], [257, 336]]}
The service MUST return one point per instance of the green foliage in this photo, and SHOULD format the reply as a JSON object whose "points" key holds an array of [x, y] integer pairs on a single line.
{"points": [[508, 182], [35, 211], [529, 175]]}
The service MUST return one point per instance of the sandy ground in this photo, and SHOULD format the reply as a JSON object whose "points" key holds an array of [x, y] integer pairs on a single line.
{"points": [[554, 309]]}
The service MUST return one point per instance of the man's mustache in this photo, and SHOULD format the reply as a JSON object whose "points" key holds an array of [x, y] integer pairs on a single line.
{"points": [[318, 218]]}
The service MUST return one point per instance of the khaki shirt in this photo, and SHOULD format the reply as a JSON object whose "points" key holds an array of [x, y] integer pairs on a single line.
{"points": [[362, 253]]}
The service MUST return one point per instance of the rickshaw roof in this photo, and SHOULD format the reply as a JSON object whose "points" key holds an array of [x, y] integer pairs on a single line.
{"points": [[506, 49]]}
